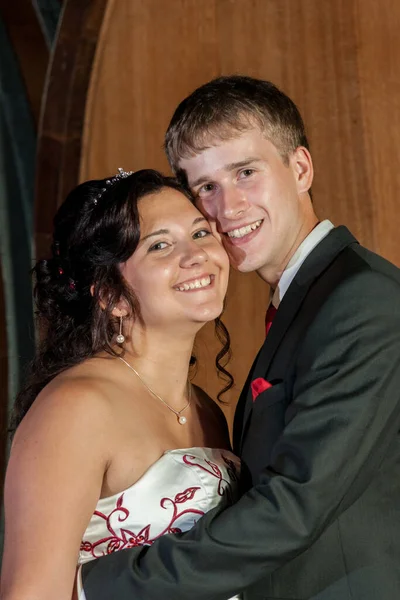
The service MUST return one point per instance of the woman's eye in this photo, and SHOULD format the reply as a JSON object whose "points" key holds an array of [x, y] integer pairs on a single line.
{"points": [[201, 234], [158, 246]]}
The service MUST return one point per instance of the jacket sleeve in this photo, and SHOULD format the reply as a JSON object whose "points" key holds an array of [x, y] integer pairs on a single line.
{"points": [[344, 412]]}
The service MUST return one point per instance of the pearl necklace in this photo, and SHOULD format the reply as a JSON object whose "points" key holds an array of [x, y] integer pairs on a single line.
{"points": [[181, 419]]}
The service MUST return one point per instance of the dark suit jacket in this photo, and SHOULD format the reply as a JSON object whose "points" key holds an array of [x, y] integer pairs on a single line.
{"points": [[321, 450]]}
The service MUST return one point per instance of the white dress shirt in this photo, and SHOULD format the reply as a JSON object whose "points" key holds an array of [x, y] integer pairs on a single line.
{"points": [[307, 245]]}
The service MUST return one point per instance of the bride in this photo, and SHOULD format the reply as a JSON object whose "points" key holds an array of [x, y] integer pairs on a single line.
{"points": [[114, 446]]}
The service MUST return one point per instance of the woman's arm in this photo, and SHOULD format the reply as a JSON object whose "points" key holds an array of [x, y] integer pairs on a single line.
{"points": [[53, 482]]}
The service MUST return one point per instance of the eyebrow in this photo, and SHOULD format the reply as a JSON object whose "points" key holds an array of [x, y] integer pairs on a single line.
{"points": [[228, 167], [166, 231]]}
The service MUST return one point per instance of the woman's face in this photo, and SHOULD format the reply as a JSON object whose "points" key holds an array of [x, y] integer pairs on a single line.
{"points": [[179, 271]]}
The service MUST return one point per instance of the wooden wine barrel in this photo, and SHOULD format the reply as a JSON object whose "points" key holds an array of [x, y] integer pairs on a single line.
{"points": [[119, 68]]}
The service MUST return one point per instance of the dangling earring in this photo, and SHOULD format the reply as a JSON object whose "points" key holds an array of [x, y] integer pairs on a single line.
{"points": [[120, 337]]}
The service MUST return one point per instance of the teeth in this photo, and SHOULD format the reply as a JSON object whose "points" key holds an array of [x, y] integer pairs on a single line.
{"points": [[196, 284], [238, 233]]}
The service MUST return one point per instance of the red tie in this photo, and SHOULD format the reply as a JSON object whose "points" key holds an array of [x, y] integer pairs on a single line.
{"points": [[269, 317]]}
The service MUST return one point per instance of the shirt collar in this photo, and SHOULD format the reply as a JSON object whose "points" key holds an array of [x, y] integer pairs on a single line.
{"points": [[307, 245]]}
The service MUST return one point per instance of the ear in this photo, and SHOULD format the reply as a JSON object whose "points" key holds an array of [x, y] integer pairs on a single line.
{"points": [[119, 310], [302, 165]]}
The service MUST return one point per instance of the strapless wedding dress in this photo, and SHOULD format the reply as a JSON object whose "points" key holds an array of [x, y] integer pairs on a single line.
{"points": [[178, 489]]}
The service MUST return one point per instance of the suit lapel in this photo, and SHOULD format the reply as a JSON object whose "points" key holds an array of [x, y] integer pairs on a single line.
{"points": [[285, 315], [240, 409], [314, 265]]}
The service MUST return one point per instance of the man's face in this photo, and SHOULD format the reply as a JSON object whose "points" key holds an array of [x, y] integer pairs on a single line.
{"points": [[259, 204]]}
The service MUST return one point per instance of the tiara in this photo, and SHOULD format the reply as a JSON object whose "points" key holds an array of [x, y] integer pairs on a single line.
{"points": [[110, 182]]}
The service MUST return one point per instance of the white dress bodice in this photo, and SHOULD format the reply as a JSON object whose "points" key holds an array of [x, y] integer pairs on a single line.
{"points": [[170, 497]]}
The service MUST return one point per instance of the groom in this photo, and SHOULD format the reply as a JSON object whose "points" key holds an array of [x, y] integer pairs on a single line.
{"points": [[317, 424]]}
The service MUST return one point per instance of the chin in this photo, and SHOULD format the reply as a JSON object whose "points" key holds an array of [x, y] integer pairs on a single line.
{"points": [[245, 267], [250, 264], [210, 314]]}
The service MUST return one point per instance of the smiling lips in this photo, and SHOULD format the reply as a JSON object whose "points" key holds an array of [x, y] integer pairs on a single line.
{"points": [[243, 231], [195, 284]]}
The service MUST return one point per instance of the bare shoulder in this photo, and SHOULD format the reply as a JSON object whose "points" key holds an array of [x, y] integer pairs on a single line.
{"points": [[72, 405]]}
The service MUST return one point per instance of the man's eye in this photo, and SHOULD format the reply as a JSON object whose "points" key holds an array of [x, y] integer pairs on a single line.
{"points": [[246, 172], [158, 246], [206, 188], [201, 234]]}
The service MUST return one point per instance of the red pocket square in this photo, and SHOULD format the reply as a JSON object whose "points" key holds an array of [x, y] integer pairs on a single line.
{"points": [[259, 385]]}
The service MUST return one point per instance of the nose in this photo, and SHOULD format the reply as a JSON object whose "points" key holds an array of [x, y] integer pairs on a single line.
{"points": [[233, 203], [192, 255]]}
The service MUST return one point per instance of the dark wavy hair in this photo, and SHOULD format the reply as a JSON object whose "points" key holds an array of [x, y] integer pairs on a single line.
{"points": [[96, 229]]}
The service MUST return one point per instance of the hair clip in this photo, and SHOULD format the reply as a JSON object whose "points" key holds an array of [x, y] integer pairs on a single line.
{"points": [[110, 182]]}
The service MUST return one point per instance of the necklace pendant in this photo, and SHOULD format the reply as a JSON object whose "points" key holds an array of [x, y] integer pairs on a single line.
{"points": [[182, 420]]}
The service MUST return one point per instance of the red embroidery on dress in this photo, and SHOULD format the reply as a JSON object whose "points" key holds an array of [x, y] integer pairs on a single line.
{"points": [[224, 486], [129, 539], [126, 538]]}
